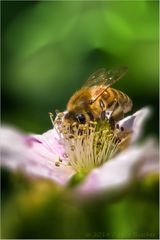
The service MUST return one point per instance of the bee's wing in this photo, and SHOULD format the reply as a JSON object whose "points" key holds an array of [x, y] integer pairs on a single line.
{"points": [[97, 78], [104, 79]]}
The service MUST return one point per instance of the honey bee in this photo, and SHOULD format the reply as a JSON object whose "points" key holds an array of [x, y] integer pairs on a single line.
{"points": [[97, 101]]}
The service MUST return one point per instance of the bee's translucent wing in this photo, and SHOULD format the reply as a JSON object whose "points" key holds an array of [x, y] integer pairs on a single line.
{"points": [[105, 77], [96, 78]]}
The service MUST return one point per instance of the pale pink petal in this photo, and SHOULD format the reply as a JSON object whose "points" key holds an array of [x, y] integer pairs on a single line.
{"points": [[135, 122], [150, 162], [52, 142], [141, 117], [33, 155], [13, 146], [36, 155], [120, 171]]}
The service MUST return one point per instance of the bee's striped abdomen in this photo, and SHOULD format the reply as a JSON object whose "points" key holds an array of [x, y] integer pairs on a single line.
{"points": [[124, 101], [111, 95]]}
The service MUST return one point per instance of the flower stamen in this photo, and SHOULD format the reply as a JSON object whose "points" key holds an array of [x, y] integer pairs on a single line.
{"points": [[88, 145]]}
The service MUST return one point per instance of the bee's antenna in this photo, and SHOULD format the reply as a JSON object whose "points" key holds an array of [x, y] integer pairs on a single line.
{"points": [[51, 117]]}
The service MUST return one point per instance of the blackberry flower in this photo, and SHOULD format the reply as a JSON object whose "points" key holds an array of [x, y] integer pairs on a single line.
{"points": [[107, 158]]}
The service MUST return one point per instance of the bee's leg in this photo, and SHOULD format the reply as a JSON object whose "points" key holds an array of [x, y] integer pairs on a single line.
{"points": [[110, 109], [103, 115], [114, 113], [124, 142], [112, 123], [117, 113]]}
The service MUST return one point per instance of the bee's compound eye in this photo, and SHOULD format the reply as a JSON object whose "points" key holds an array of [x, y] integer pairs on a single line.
{"points": [[81, 118]]}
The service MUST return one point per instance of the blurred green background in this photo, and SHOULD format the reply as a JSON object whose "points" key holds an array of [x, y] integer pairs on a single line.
{"points": [[48, 50]]}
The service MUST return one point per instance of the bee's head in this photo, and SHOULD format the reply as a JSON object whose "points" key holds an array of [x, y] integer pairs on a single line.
{"points": [[72, 117], [73, 123]]}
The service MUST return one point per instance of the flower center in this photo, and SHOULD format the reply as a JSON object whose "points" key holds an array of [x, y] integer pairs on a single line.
{"points": [[88, 145]]}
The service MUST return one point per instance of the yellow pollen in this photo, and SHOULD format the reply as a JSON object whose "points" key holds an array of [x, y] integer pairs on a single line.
{"points": [[88, 145], [57, 163]]}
